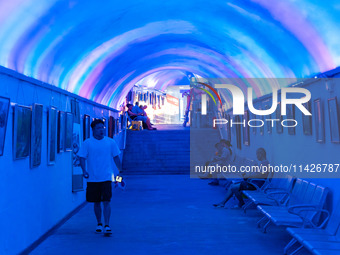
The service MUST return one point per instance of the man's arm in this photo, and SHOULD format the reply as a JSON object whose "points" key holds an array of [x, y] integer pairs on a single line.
{"points": [[224, 157], [118, 163], [83, 167], [132, 113], [257, 174]]}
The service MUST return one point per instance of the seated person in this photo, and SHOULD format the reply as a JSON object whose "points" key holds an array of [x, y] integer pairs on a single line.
{"points": [[245, 184], [227, 145], [223, 157], [142, 108], [139, 116], [144, 114], [136, 108]]}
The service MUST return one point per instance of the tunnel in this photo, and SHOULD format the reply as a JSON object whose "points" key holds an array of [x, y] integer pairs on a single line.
{"points": [[169, 127]]}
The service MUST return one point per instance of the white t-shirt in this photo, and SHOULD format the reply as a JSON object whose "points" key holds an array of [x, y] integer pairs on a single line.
{"points": [[99, 156]]}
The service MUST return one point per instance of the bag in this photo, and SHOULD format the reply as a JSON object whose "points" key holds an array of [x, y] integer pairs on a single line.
{"points": [[136, 125]]}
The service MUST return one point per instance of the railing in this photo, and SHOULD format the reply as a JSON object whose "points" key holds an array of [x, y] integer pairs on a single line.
{"points": [[124, 129]]}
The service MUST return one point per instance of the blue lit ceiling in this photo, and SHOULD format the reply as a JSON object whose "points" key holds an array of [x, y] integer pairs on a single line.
{"points": [[100, 49]]}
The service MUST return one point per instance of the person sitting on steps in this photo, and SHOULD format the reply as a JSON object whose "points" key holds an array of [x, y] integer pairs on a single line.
{"points": [[139, 116]]}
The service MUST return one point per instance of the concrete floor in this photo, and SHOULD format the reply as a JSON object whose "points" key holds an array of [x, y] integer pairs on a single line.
{"points": [[166, 215]]}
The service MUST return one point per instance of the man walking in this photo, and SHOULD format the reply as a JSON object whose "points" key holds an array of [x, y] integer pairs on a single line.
{"points": [[99, 152]]}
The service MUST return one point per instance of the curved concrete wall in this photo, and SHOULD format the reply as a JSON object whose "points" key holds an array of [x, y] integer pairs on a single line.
{"points": [[34, 200], [299, 148]]}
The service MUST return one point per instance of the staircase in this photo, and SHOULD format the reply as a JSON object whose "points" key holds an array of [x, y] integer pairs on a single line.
{"points": [[157, 152], [165, 151]]}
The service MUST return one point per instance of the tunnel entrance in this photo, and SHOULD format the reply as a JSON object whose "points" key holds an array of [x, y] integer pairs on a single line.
{"points": [[166, 107]]}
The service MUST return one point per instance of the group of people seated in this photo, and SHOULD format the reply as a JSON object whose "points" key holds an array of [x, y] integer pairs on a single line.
{"points": [[138, 113], [224, 156]]}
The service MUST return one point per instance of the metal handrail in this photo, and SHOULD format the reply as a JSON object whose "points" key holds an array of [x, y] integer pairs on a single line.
{"points": [[124, 129]]}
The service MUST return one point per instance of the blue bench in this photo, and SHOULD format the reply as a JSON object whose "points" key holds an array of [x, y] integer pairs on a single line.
{"points": [[275, 192], [318, 240], [297, 212]]}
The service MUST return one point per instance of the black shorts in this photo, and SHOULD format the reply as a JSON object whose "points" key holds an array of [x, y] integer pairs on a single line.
{"points": [[244, 185], [99, 191]]}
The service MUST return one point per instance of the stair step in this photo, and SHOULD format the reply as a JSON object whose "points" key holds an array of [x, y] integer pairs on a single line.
{"points": [[164, 151]]}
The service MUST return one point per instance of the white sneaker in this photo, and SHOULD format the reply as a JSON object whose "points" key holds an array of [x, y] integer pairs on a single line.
{"points": [[107, 230], [99, 229]]}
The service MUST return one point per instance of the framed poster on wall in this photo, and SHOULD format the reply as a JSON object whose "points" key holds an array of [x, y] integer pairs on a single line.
{"points": [[51, 135], [75, 111], [319, 121], [36, 135], [246, 138], [291, 116], [111, 131], [237, 119], [4, 110], [334, 120], [117, 126], [21, 131], [86, 127], [268, 123], [121, 120], [262, 126], [228, 127], [77, 172], [68, 131], [254, 128], [307, 120], [278, 115], [61, 131], [129, 96]]}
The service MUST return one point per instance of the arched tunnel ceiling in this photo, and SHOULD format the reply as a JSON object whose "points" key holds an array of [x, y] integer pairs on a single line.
{"points": [[162, 79], [100, 49]]}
